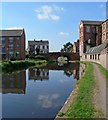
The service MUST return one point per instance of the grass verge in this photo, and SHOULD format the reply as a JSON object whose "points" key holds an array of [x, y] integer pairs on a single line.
{"points": [[82, 106], [10, 66], [103, 71]]}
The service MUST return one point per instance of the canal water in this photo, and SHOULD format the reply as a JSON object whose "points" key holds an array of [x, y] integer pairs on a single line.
{"points": [[38, 92]]}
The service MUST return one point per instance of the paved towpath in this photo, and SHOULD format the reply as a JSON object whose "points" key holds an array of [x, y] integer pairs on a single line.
{"points": [[100, 97]]}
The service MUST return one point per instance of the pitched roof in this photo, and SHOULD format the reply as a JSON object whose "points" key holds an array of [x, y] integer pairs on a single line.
{"points": [[35, 42], [11, 32], [88, 22], [97, 49]]}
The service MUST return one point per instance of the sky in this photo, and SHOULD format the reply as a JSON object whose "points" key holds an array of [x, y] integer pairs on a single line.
{"points": [[56, 21]]}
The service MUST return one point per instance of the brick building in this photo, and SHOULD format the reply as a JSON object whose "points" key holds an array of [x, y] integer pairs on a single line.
{"points": [[76, 47], [104, 31], [12, 42], [88, 35], [43, 46]]}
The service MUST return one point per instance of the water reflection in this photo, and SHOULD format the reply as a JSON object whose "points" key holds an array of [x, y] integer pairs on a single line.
{"points": [[48, 101], [14, 83], [38, 74], [29, 99]]}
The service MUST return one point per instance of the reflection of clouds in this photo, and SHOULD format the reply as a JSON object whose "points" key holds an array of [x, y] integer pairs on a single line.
{"points": [[63, 81], [47, 101]]}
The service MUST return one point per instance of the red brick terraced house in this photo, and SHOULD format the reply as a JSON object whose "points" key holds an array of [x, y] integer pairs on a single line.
{"points": [[12, 42]]}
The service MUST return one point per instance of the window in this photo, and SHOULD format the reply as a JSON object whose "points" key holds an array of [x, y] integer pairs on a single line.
{"points": [[87, 28], [43, 47], [17, 38], [11, 47], [107, 35], [85, 56], [104, 36], [11, 38], [107, 25], [2, 38], [18, 45], [11, 53], [103, 26], [47, 47], [94, 30]]}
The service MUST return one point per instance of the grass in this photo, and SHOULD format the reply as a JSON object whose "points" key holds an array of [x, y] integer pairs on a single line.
{"points": [[103, 71], [82, 106], [9, 66]]}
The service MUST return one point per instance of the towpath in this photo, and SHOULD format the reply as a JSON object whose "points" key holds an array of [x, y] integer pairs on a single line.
{"points": [[101, 90]]}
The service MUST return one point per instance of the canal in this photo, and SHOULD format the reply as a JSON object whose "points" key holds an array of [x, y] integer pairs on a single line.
{"points": [[38, 92]]}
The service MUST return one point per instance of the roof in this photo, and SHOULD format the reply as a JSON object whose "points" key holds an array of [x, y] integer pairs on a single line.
{"points": [[97, 49], [11, 32], [88, 22], [104, 21], [35, 42]]}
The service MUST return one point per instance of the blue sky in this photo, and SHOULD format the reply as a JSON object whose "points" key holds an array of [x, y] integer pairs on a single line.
{"points": [[58, 22]]}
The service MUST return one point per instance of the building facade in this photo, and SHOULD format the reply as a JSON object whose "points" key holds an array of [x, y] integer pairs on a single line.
{"points": [[76, 47], [105, 31], [12, 43], [88, 35], [42, 45], [96, 52]]}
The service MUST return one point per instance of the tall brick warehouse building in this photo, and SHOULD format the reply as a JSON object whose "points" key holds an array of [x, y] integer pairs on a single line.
{"points": [[12, 42], [88, 35], [92, 33]]}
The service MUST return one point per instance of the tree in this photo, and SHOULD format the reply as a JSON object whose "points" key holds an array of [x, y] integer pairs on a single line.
{"points": [[37, 50], [15, 55], [68, 47]]}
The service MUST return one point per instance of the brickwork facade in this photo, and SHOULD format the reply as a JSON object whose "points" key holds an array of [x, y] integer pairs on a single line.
{"points": [[12, 43]]}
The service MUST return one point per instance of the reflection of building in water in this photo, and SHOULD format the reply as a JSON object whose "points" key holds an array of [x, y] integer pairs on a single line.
{"points": [[76, 73], [38, 74], [14, 83], [73, 70], [81, 70]]}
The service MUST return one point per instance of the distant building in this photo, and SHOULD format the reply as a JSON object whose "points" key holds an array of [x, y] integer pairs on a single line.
{"points": [[43, 46], [12, 42], [76, 47], [88, 35], [105, 31]]}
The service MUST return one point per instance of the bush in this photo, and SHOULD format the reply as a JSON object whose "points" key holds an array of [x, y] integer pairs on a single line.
{"points": [[40, 57]]}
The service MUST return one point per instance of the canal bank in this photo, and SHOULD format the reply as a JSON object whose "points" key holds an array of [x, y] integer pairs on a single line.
{"points": [[10, 66], [83, 101]]}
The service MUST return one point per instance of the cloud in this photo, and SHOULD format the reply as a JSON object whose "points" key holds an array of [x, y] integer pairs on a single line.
{"points": [[55, 17], [48, 12], [64, 33], [63, 81], [47, 101]]}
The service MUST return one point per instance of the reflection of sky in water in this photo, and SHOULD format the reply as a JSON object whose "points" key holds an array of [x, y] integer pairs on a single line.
{"points": [[47, 101], [41, 98]]}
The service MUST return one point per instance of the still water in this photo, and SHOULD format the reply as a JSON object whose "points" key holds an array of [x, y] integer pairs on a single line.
{"points": [[38, 92]]}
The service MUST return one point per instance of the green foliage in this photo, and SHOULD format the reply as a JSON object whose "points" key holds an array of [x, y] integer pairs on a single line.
{"points": [[82, 107], [60, 114], [68, 47], [40, 57], [10, 66], [104, 71]]}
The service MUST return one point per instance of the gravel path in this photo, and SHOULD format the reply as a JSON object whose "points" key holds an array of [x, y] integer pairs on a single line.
{"points": [[100, 90]]}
